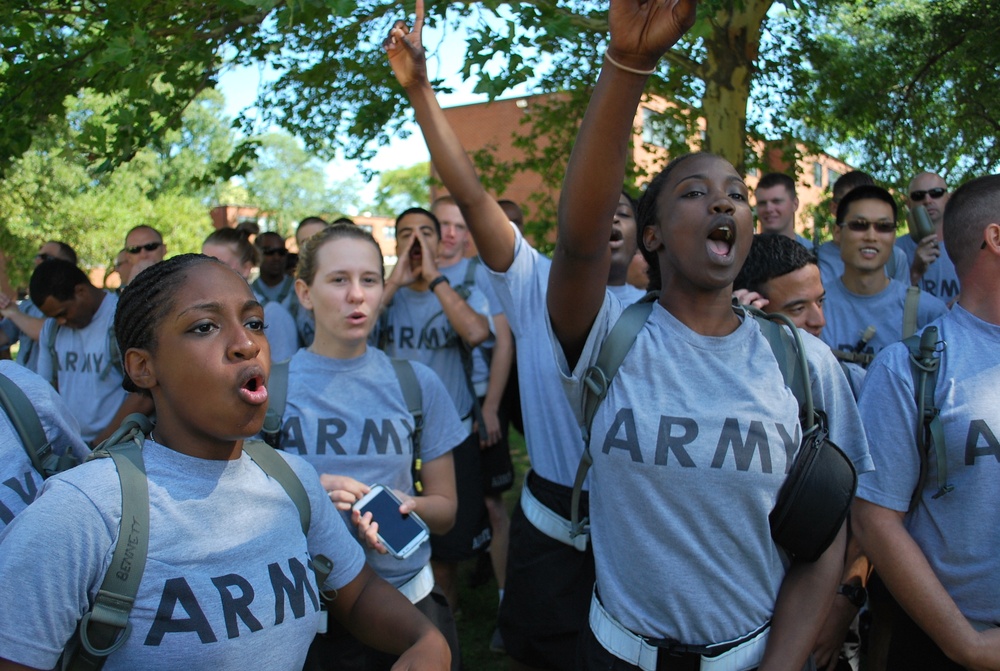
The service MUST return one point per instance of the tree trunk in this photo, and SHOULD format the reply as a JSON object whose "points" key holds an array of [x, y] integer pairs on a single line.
{"points": [[731, 56]]}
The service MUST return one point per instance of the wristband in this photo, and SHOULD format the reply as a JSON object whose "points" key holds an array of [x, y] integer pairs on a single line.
{"points": [[625, 68], [438, 280]]}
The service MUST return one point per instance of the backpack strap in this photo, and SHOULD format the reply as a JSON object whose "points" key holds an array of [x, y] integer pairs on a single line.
{"points": [[925, 361], [114, 354], [277, 396], [50, 344], [910, 306], [790, 353], [105, 628], [596, 382], [860, 358], [414, 397], [286, 288], [25, 420], [272, 463], [277, 468], [468, 280], [786, 345]]}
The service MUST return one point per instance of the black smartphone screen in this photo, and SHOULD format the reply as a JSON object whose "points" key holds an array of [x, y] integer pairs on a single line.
{"points": [[397, 530]]}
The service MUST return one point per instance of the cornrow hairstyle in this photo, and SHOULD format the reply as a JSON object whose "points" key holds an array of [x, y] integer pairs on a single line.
{"points": [[771, 255], [56, 278], [239, 240], [422, 211], [146, 300], [864, 192], [306, 270], [646, 215]]}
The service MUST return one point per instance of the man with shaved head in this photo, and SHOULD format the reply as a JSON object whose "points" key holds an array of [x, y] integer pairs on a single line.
{"points": [[930, 270]]}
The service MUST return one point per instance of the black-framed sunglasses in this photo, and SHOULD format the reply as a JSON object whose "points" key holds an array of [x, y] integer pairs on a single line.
{"points": [[149, 247], [862, 225], [935, 193], [43, 257], [271, 251]]}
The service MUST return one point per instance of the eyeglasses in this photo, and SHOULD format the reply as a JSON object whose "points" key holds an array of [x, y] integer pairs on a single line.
{"points": [[861, 225], [271, 251], [149, 247], [935, 193], [42, 256]]}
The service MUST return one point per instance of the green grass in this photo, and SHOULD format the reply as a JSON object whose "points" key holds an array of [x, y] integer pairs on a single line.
{"points": [[479, 604]]}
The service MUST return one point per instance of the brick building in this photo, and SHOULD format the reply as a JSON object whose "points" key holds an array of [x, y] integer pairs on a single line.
{"points": [[492, 126]]}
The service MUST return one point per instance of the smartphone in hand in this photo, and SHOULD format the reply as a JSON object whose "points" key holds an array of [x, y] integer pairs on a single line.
{"points": [[400, 534]]}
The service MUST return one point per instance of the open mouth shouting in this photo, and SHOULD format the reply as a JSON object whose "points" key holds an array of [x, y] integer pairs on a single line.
{"points": [[252, 388], [617, 239], [721, 239]]}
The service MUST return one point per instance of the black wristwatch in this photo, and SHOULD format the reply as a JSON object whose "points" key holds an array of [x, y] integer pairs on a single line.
{"points": [[436, 281], [856, 594]]}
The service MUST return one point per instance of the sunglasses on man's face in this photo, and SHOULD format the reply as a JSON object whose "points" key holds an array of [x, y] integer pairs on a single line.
{"points": [[42, 256], [149, 247], [861, 225], [271, 251], [935, 193]]}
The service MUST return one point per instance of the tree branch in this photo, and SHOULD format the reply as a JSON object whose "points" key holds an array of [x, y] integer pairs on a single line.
{"points": [[686, 63], [930, 63]]}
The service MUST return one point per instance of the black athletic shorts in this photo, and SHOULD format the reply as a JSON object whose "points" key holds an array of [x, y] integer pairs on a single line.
{"points": [[471, 532], [546, 601], [338, 650], [496, 466]]}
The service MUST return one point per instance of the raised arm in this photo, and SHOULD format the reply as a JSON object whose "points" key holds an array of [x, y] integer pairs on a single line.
{"points": [[487, 222], [641, 32], [29, 326]]}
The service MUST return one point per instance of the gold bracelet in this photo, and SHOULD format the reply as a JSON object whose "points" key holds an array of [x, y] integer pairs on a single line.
{"points": [[645, 73]]}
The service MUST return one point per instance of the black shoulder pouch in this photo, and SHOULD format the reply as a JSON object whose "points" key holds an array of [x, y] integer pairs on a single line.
{"points": [[815, 498]]}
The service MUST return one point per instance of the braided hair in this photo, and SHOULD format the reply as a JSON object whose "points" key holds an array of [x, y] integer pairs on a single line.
{"points": [[147, 300], [647, 214]]}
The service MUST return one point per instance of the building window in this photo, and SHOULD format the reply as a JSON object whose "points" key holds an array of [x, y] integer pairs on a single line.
{"points": [[366, 228], [752, 172], [832, 175], [817, 175], [389, 232]]}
